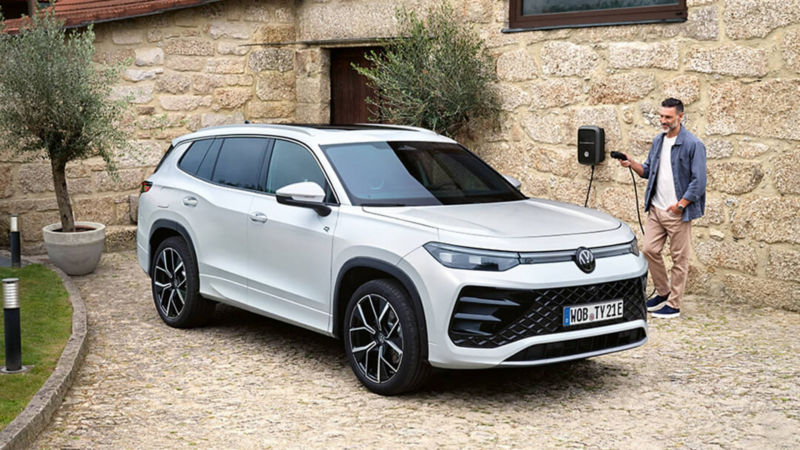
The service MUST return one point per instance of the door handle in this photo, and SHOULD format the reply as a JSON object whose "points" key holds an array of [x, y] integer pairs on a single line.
{"points": [[258, 217], [191, 202]]}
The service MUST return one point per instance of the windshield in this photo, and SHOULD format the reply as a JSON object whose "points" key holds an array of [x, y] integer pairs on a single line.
{"points": [[416, 174]]}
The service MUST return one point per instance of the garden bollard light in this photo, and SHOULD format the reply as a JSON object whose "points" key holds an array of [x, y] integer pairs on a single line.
{"points": [[11, 322], [16, 260]]}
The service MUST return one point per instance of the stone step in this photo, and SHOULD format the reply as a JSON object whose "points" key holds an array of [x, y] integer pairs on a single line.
{"points": [[120, 238]]}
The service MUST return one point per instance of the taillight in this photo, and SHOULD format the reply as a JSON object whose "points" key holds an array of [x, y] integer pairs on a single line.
{"points": [[146, 185]]}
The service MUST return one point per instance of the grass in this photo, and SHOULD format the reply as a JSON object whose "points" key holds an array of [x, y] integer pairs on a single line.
{"points": [[46, 323]]}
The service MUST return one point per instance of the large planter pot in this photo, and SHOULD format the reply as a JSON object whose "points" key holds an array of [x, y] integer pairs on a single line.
{"points": [[75, 253]]}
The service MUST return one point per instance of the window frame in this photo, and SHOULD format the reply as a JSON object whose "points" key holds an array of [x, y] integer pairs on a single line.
{"points": [[268, 161], [596, 17]]}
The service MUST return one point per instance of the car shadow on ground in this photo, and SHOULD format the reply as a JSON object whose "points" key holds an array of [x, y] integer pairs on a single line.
{"points": [[585, 378]]}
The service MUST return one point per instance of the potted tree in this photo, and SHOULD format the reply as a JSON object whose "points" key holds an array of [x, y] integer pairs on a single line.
{"points": [[55, 104]]}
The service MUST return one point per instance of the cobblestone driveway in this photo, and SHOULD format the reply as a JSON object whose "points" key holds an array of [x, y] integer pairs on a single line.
{"points": [[721, 377]]}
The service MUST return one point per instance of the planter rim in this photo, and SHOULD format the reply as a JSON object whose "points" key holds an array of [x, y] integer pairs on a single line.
{"points": [[53, 228]]}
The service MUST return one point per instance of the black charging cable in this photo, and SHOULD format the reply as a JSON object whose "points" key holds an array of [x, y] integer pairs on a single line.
{"points": [[586, 203]]}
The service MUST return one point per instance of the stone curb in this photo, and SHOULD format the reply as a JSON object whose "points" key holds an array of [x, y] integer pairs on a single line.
{"points": [[21, 433]]}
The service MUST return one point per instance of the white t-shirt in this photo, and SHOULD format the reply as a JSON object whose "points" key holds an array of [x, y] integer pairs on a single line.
{"points": [[665, 184]]}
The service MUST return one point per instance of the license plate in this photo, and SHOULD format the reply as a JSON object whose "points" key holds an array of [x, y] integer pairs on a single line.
{"points": [[597, 312]]}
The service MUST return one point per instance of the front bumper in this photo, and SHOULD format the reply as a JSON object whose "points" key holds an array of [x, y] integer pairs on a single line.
{"points": [[439, 289]]}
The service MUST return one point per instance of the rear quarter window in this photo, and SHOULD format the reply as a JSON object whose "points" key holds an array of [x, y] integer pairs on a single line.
{"points": [[191, 160]]}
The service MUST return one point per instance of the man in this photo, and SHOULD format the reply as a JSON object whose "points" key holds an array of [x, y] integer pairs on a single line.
{"points": [[675, 195]]}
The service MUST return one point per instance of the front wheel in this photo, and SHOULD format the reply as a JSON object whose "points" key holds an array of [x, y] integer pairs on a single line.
{"points": [[382, 340]]}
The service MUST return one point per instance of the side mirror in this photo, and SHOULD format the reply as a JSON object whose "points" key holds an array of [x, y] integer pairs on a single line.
{"points": [[305, 195], [514, 182]]}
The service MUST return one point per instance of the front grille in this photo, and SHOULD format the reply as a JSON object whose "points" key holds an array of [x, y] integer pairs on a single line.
{"points": [[489, 318], [579, 346]]}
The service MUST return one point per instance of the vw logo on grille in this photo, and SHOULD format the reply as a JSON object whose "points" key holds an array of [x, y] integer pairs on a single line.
{"points": [[584, 259]]}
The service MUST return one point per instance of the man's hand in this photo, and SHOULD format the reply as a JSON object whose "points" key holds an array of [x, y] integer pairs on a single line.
{"points": [[674, 209], [627, 162]]}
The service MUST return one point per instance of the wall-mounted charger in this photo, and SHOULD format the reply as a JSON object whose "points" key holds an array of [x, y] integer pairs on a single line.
{"points": [[591, 145]]}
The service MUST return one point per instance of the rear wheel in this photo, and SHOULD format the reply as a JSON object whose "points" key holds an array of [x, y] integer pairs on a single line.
{"points": [[175, 285], [382, 339]]}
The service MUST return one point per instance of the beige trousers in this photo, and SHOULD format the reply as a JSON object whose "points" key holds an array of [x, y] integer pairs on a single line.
{"points": [[660, 225]]}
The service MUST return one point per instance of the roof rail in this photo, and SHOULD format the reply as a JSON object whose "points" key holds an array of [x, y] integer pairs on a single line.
{"points": [[396, 127]]}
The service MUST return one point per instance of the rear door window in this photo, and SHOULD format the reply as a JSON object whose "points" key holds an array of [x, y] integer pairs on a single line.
{"points": [[240, 162], [193, 157]]}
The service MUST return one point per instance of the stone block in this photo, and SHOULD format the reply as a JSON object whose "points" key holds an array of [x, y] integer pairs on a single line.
{"points": [[239, 80], [225, 65], [31, 224], [718, 148], [734, 177], [729, 255], [256, 13], [573, 192], [621, 204], [698, 281], [272, 59], [125, 36], [134, 208], [752, 149], [660, 55], [702, 24], [270, 110], [604, 117], [765, 109], [546, 129], [285, 15], [313, 90], [35, 178], [120, 238], [141, 75], [141, 153], [213, 120], [714, 215], [275, 86], [311, 61], [230, 48], [639, 143], [185, 63], [205, 84], [134, 94], [173, 83], [737, 61], [79, 186], [232, 98], [508, 158], [511, 97], [768, 219], [791, 50], [516, 65], [685, 88], [123, 212], [762, 292], [312, 113], [784, 264], [567, 59], [6, 180], [344, 20], [113, 56], [623, 88], [127, 180], [275, 33], [746, 19], [787, 173], [183, 102], [160, 121], [223, 29], [149, 56], [94, 209], [189, 47], [556, 92]]}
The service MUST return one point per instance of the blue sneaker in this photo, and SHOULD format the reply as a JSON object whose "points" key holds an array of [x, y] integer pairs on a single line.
{"points": [[657, 302], [667, 312]]}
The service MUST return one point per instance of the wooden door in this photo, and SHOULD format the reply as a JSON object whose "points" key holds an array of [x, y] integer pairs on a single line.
{"points": [[349, 90]]}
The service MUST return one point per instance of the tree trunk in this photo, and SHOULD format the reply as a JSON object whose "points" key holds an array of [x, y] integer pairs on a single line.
{"points": [[62, 196]]}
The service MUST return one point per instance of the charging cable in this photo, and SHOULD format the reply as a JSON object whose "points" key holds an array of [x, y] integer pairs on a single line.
{"points": [[586, 203]]}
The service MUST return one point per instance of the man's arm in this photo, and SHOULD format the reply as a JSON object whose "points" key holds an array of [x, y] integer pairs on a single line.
{"points": [[697, 184], [638, 168]]}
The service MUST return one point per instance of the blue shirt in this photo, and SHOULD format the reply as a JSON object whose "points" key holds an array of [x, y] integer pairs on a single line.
{"points": [[688, 172]]}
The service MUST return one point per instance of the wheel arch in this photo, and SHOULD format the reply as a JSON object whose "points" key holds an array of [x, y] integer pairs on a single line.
{"points": [[163, 229], [358, 271]]}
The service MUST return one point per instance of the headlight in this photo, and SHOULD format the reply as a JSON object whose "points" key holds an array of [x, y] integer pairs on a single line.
{"points": [[472, 259], [635, 247]]}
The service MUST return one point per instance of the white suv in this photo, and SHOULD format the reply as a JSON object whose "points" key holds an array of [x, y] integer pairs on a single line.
{"points": [[400, 241]]}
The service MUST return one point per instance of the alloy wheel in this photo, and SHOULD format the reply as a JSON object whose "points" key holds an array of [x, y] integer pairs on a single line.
{"points": [[376, 338], [170, 283]]}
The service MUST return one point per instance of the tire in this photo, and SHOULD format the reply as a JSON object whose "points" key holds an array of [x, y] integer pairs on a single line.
{"points": [[382, 339], [180, 307]]}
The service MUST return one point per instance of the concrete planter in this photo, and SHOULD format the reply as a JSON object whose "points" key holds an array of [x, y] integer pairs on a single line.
{"points": [[75, 253]]}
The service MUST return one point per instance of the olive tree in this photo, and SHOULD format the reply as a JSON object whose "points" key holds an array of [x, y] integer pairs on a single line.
{"points": [[435, 76], [55, 102]]}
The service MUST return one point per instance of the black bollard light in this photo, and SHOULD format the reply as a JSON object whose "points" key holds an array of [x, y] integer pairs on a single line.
{"points": [[12, 329], [16, 260]]}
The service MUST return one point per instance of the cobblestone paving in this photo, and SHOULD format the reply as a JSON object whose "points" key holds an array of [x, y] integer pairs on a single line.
{"points": [[720, 377]]}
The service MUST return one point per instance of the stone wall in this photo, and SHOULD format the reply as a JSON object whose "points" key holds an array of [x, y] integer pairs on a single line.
{"points": [[735, 64]]}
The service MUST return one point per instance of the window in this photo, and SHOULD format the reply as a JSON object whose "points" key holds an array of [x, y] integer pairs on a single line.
{"points": [[240, 161], [209, 161], [543, 14], [292, 163], [192, 159]]}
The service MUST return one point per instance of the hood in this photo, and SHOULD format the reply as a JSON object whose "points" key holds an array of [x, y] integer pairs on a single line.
{"points": [[525, 218]]}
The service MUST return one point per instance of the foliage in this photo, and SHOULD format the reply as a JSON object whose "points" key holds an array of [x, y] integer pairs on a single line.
{"points": [[436, 76], [54, 98], [46, 324]]}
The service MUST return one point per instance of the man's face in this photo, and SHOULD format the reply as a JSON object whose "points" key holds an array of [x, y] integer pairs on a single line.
{"points": [[670, 119]]}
